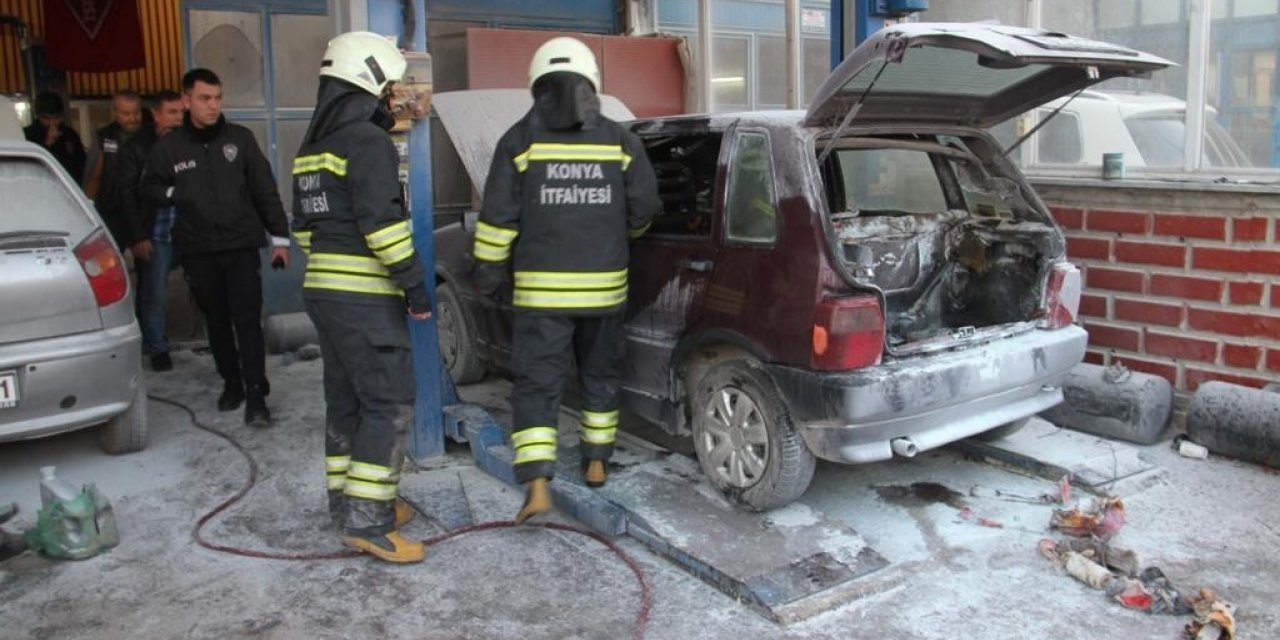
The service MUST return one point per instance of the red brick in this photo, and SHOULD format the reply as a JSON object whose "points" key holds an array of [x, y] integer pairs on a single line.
{"points": [[1242, 260], [1241, 356], [1096, 248], [1118, 221], [1249, 229], [1273, 360], [1181, 347], [1101, 335], [1169, 255], [1197, 377], [1185, 287], [1230, 323], [1163, 369], [1095, 357], [1114, 279], [1169, 315], [1275, 296], [1095, 306], [1209, 228], [1068, 217], [1246, 292]]}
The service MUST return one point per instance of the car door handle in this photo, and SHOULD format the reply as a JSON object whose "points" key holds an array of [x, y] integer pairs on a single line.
{"points": [[694, 264]]}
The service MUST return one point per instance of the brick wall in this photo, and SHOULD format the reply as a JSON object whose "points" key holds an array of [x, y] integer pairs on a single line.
{"points": [[1178, 283]]}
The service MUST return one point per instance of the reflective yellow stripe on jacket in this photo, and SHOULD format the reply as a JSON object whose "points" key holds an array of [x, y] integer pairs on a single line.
{"points": [[303, 238], [320, 162], [547, 151], [493, 243], [570, 290], [353, 274], [391, 243]]}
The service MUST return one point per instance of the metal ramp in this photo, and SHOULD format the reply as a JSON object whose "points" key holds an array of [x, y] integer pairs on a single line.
{"points": [[787, 565]]}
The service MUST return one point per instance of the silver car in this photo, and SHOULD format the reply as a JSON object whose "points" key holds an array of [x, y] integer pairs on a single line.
{"points": [[69, 342]]}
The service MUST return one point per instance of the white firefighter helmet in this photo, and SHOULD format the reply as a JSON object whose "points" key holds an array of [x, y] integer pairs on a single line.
{"points": [[366, 60], [564, 54]]}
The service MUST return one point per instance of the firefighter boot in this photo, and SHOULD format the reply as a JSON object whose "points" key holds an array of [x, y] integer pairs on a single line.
{"points": [[537, 499], [337, 507], [596, 473], [404, 512], [369, 526]]}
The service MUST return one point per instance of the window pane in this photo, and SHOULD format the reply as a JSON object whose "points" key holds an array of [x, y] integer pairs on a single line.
{"points": [[891, 180], [297, 44], [753, 213], [1241, 123], [1160, 11], [817, 65], [771, 72], [1248, 8], [729, 74], [1012, 12], [229, 43], [1060, 139]]}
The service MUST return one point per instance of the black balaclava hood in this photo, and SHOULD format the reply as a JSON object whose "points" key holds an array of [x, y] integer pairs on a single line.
{"points": [[565, 100], [339, 103]]}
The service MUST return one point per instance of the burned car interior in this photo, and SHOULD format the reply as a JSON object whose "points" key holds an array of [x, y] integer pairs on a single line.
{"points": [[935, 223], [685, 166]]}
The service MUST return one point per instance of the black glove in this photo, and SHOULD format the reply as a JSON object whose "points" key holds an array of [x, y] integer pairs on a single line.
{"points": [[417, 301], [489, 277]]}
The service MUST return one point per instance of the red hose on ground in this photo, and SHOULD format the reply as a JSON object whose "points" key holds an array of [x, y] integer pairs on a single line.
{"points": [[646, 601]]}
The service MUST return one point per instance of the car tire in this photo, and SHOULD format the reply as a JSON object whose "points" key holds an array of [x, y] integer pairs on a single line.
{"points": [[457, 337], [127, 432], [1003, 431], [745, 440]]}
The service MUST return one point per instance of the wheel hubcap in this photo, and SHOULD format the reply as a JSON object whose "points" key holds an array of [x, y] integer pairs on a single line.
{"points": [[735, 437]]}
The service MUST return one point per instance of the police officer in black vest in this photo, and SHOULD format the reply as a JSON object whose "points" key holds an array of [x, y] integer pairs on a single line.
{"points": [[566, 190]]}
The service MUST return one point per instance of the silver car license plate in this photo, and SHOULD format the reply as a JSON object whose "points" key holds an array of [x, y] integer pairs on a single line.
{"points": [[8, 389]]}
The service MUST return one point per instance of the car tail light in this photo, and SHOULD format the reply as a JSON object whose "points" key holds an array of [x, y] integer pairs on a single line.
{"points": [[1061, 296], [848, 333], [105, 268]]}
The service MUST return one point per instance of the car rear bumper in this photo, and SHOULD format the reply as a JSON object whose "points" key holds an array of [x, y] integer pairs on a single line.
{"points": [[853, 417], [71, 381]]}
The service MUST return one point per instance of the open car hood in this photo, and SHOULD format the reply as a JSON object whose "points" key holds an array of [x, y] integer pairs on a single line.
{"points": [[966, 74], [475, 119]]}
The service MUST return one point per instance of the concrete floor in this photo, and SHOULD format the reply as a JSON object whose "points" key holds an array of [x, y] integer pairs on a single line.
{"points": [[1211, 523]]}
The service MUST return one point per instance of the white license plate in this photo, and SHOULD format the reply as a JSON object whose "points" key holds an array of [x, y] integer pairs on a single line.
{"points": [[8, 389]]}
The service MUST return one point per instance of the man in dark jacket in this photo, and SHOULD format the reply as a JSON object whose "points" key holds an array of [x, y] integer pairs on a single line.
{"points": [[105, 184], [363, 276], [566, 188], [153, 254], [51, 133], [216, 177]]}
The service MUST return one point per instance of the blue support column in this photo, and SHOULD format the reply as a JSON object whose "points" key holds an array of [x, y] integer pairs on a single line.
{"points": [[869, 16], [434, 387]]}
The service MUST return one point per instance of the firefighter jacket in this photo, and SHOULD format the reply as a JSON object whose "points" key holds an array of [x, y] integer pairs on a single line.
{"points": [[348, 208], [220, 184], [561, 205]]}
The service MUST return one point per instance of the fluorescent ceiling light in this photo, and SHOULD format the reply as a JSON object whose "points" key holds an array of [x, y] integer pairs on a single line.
{"points": [[728, 80]]}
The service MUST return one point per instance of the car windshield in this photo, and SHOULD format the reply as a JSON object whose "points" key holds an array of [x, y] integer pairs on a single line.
{"points": [[1159, 138], [37, 201]]}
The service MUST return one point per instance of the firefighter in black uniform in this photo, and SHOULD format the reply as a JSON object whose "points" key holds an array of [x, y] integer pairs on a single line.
{"points": [[566, 189], [363, 275]]}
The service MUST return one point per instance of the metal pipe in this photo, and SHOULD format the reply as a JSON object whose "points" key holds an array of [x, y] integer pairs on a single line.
{"points": [[795, 56], [904, 447], [704, 53], [1197, 81]]}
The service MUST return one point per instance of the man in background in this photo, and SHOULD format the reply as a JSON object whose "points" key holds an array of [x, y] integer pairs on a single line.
{"points": [[105, 184], [153, 253], [56, 137]]}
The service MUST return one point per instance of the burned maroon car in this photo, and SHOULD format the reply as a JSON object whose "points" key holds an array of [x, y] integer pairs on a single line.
{"points": [[870, 278]]}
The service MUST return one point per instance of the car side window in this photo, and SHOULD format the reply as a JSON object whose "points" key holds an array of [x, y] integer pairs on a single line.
{"points": [[685, 166], [752, 210]]}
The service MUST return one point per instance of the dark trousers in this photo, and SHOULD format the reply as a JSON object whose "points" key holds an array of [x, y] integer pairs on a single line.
{"points": [[369, 395], [227, 286], [543, 348]]}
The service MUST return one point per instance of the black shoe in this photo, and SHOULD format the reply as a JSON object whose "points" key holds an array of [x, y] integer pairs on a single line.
{"points": [[161, 361], [256, 414], [232, 396]]}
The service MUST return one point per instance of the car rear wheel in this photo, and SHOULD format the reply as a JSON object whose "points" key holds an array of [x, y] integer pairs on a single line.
{"points": [[457, 337], [1003, 431], [745, 440], [127, 432]]}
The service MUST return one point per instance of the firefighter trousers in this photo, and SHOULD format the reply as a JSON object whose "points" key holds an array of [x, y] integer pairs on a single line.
{"points": [[369, 397], [543, 351]]}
